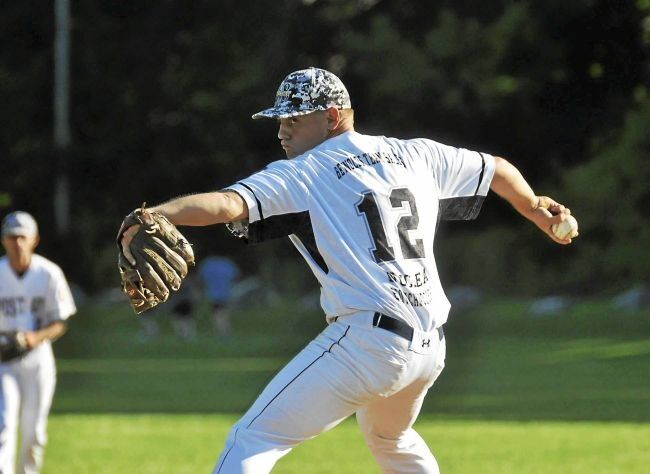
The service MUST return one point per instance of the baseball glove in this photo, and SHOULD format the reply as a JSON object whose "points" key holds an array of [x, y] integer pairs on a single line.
{"points": [[12, 345], [159, 259]]}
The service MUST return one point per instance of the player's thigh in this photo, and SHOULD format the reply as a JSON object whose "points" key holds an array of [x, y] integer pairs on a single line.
{"points": [[37, 381], [324, 384], [9, 397], [391, 416]]}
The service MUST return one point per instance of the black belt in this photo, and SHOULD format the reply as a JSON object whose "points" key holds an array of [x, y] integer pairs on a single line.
{"points": [[395, 326]]}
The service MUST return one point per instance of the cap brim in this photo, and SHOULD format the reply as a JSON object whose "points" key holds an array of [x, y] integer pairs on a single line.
{"points": [[18, 232], [279, 113]]}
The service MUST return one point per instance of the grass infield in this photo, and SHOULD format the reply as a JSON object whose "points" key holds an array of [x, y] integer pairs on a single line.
{"points": [[176, 444], [567, 393]]}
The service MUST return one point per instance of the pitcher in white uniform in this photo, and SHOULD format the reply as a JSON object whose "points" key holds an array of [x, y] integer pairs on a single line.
{"points": [[362, 211], [34, 299]]}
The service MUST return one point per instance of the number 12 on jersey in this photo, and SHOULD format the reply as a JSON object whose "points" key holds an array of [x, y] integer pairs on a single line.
{"points": [[383, 251]]}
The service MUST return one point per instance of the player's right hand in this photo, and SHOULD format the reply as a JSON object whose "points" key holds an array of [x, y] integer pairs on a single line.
{"points": [[549, 212], [552, 206]]}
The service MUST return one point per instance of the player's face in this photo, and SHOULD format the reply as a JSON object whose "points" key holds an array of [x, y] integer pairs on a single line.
{"points": [[300, 134], [20, 249]]}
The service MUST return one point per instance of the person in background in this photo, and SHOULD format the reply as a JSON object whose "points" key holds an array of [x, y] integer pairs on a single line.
{"points": [[35, 302], [181, 310], [218, 275]]}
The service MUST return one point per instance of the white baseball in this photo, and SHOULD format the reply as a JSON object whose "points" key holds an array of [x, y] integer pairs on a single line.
{"points": [[567, 229]]}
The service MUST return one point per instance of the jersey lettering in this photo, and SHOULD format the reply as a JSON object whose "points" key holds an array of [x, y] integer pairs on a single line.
{"points": [[12, 306], [407, 223], [383, 251], [38, 303]]}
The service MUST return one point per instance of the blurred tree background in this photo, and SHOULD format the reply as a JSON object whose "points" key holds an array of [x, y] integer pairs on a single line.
{"points": [[162, 94]]}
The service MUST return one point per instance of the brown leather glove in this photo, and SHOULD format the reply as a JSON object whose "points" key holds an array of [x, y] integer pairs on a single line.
{"points": [[159, 259]]}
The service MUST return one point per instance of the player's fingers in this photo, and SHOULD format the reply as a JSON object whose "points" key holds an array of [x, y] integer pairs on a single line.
{"points": [[557, 218], [552, 221], [553, 206], [557, 208], [559, 241], [127, 237]]}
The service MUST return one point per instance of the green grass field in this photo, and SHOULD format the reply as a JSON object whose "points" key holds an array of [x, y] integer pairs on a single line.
{"points": [[568, 393]]}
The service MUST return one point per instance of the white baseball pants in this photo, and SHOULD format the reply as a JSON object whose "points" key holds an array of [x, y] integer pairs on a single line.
{"points": [[26, 391], [351, 367]]}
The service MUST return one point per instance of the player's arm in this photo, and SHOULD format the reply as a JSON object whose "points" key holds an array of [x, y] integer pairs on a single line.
{"points": [[51, 332], [204, 209], [195, 210], [543, 211]]}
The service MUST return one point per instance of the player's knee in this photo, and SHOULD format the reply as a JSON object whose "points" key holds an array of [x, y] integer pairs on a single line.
{"points": [[401, 452], [378, 442], [403, 441], [249, 451], [34, 441]]}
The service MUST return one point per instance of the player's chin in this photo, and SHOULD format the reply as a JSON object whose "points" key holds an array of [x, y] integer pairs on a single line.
{"points": [[289, 152]]}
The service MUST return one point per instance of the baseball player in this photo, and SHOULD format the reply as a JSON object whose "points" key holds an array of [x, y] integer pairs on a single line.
{"points": [[35, 301], [362, 211]]}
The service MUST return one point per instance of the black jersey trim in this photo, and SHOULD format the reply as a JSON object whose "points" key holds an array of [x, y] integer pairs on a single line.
{"points": [[308, 240], [259, 205], [283, 225], [480, 177], [465, 208]]}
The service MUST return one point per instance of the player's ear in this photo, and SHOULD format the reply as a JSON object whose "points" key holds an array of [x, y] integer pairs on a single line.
{"points": [[37, 240], [333, 118]]}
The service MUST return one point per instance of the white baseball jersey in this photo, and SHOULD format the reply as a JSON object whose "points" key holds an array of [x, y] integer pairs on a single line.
{"points": [[35, 299], [363, 211], [29, 302]]}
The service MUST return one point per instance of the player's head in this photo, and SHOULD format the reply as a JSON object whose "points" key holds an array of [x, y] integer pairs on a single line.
{"points": [[311, 105], [19, 238]]}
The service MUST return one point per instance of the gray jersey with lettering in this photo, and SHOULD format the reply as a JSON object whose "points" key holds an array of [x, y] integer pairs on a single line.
{"points": [[36, 299], [363, 211]]}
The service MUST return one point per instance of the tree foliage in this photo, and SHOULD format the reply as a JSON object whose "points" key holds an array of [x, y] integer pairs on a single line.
{"points": [[162, 94]]}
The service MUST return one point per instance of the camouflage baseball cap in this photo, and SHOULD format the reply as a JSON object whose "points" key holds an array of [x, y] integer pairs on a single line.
{"points": [[306, 91]]}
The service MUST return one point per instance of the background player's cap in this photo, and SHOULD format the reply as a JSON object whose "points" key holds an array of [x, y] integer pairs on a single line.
{"points": [[19, 223], [306, 91]]}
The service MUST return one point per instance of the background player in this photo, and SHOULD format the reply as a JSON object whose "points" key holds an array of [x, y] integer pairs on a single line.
{"points": [[362, 211], [218, 275], [34, 299], [181, 310]]}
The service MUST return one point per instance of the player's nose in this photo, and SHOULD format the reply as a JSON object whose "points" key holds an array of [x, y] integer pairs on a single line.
{"points": [[283, 132]]}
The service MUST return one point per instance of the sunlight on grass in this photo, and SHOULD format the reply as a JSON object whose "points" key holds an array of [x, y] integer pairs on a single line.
{"points": [[166, 444], [588, 349]]}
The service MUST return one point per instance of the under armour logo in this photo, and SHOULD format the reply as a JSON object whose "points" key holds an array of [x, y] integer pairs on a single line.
{"points": [[426, 342]]}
